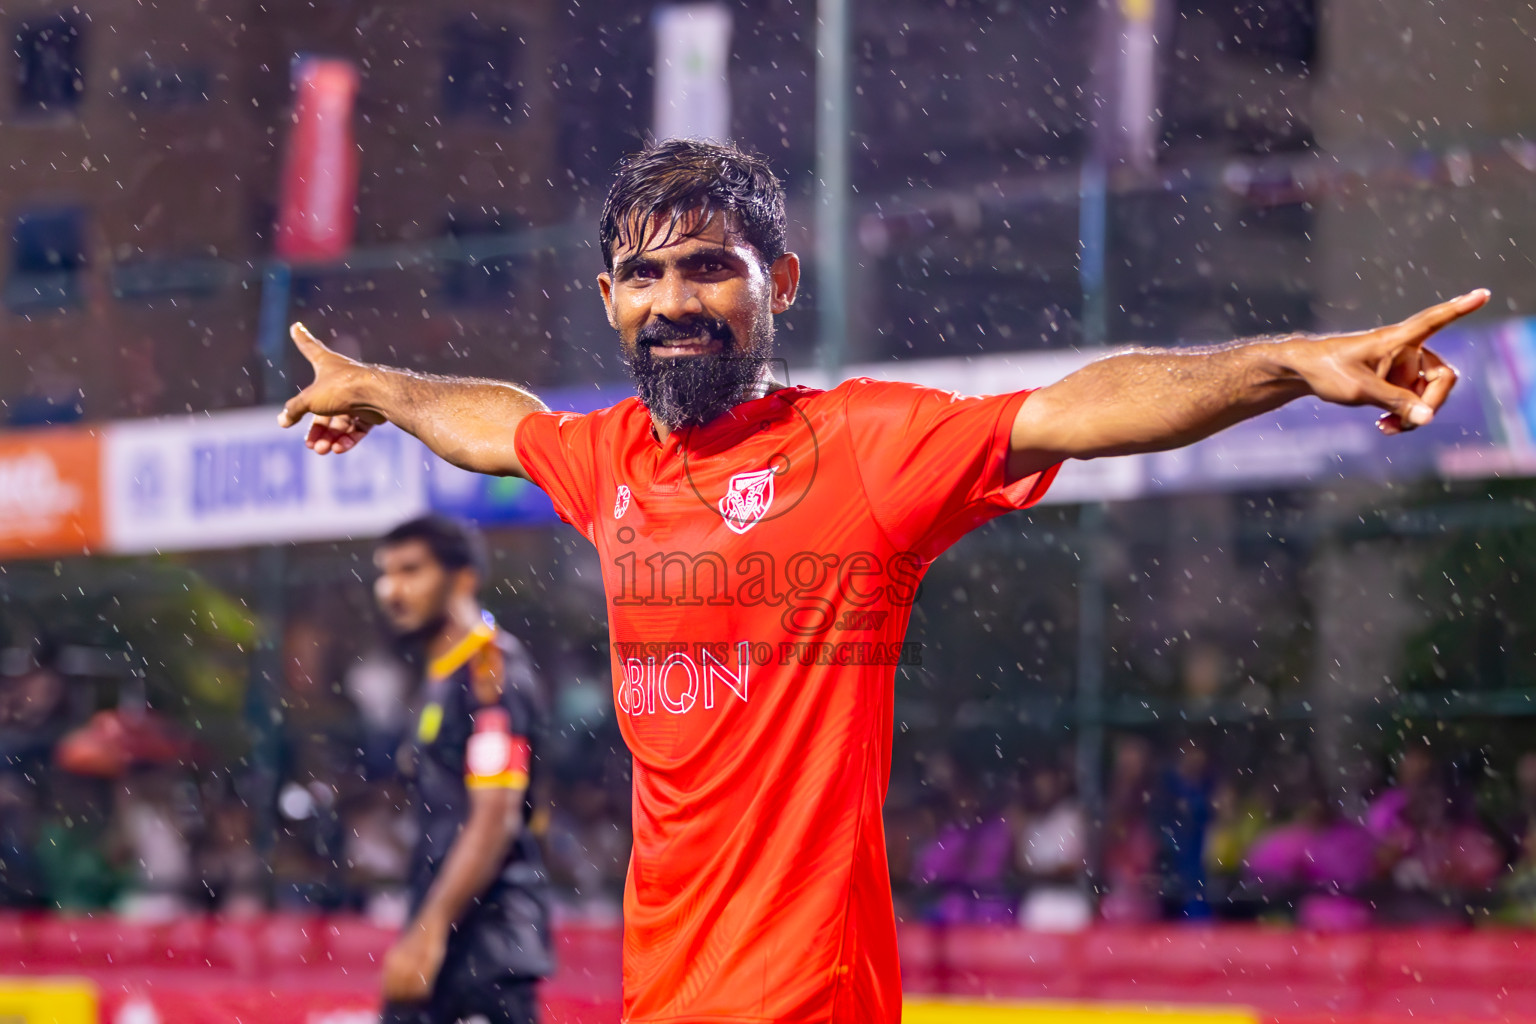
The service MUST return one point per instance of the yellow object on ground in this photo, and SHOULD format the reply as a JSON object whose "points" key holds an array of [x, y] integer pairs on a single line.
{"points": [[47, 1001], [959, 1011]]}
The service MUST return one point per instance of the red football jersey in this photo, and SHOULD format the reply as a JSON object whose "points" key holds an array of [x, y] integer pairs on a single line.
{"points": [[760, 572]]}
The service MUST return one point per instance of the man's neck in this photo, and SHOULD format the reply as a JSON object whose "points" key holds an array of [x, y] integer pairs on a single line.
{"points": [[463, 617], [766, 385]]}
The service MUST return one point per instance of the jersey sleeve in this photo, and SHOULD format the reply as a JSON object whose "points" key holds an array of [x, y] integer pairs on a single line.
{"points": [[496, 756], [499, 752], [933, 463], [557, 451]]}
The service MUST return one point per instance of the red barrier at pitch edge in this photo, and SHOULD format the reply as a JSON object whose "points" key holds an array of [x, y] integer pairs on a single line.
{"points": [[277, 969], [1289, 976], [324, 970]]}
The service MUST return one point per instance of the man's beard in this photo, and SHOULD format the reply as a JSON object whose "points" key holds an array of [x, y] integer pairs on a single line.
{"points": [[686, 391]]}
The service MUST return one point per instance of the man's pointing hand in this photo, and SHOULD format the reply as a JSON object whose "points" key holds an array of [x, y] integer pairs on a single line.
{"points": [[1389, 367], [337, 398]]}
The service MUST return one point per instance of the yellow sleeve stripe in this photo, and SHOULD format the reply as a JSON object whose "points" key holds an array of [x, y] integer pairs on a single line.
{"points": [[506, 780]]}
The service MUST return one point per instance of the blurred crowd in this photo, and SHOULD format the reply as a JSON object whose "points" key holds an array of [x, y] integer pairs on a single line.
{"points": [[1438, 840], [114, 810], [117, 809]]}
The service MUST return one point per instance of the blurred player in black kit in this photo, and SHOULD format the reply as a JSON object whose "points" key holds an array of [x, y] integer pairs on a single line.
{"points": [[478, 938]]}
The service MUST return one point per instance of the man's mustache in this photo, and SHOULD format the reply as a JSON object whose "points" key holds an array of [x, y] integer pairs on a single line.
{"points": [[666, 332]]}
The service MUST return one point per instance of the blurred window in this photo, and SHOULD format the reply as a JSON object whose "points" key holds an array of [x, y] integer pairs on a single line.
{"points": [[50, 76], [47, 257], [1236, 76], [480, 61], [157, 88], [480, 276]]}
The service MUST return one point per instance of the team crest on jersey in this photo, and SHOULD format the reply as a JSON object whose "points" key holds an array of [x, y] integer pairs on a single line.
{"points": [[621, 501], [747, 498]]}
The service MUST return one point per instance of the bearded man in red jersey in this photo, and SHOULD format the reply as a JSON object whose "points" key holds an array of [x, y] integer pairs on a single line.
{"points": [[747, 529]]}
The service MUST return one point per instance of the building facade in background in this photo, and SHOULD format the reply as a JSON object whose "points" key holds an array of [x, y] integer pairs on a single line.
{"points": [[1306, 165]]}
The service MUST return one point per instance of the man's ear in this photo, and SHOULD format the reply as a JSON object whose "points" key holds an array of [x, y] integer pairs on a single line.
{"points": [[785, 278], [605, 285]]}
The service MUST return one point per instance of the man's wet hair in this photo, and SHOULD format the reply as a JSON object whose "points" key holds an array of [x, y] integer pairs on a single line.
{"points": [[675, 187], [454, 543]]}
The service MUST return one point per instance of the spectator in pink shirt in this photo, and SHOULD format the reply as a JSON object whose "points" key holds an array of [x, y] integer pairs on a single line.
{"points": [[1320, 859], [1439, 857]]}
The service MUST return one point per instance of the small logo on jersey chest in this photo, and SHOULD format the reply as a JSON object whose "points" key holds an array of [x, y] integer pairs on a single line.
{"points": [[747, 499], [621, 501]]}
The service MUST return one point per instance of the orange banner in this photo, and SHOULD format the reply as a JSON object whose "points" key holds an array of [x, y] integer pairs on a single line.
{"points": [[50, 492]]}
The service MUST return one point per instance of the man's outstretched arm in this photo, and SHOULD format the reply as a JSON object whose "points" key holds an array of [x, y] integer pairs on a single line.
{"points": [[468, 422], [1146, 401]]}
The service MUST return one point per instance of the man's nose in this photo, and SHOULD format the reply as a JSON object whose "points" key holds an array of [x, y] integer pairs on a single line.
{"points": [[676, 298]]}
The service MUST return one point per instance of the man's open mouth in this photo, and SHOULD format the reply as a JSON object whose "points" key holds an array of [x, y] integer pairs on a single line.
{"points": [[700, 345]]}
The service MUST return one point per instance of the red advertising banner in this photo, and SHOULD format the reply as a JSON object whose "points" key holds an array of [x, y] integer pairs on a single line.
{"points": [[50, 492], [319, 188]]}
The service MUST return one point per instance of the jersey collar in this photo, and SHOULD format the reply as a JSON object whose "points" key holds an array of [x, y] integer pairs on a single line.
{"points": [[446, 664]]}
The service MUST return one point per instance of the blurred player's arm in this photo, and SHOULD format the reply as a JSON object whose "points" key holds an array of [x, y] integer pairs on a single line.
{"points": [[1147, 401], [469, 422], [473, 861]]}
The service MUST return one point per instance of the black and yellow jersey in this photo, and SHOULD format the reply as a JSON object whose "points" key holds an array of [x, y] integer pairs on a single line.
{"points": [[478, 723]]}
